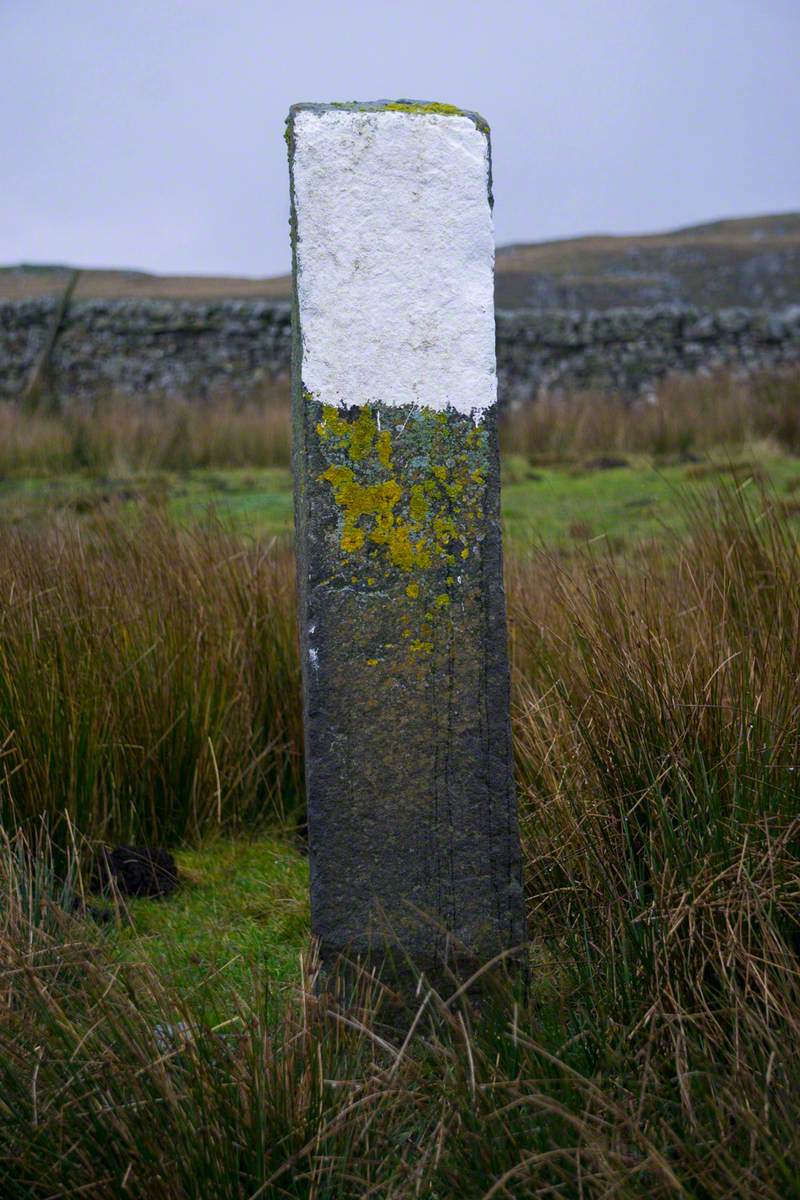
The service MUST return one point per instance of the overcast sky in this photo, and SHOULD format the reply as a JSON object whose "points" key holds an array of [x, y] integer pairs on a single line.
{"points": [[149, 133]]}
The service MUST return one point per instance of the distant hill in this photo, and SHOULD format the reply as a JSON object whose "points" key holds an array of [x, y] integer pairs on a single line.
{"points": [[750, 261], [26, 281]]}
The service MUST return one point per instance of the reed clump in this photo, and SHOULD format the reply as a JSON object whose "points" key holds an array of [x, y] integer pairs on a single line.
{"points": [[148, 680]]}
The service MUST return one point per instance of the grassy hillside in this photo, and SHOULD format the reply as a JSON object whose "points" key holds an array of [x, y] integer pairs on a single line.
{"points": [[26, 281], [753, 261]]}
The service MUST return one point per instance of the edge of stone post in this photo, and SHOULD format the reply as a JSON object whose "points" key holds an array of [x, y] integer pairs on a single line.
{"points": [[499, 817]]}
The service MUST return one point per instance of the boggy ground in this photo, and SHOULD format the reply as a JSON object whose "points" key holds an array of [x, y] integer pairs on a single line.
{"points": [[149, 691]]}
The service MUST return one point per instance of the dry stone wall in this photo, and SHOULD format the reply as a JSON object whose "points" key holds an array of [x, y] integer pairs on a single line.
{"points": [[147, 347], [158, 347], [628, 349]]}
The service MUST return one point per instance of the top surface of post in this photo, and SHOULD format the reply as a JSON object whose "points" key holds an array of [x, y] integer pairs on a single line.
{"points": [[394, 254]]}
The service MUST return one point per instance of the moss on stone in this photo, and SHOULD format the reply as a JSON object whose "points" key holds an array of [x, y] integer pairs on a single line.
{"points": [[408, 106]]}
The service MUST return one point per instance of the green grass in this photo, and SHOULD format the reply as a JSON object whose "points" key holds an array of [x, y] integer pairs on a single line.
{"points": [[554, 505], [558, 506], [258, 501], [241, 907]]}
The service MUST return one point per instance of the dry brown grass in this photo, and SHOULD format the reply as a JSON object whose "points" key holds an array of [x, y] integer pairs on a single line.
{"points": [[148, 680], [684, 415], [657, 726], [118, 434]]}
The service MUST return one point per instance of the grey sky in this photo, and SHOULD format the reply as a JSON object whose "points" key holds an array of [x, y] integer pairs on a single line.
{"points": [[148, 133]]}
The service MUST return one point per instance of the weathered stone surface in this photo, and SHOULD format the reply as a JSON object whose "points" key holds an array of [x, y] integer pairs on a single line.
{"points": [[412, 829]]}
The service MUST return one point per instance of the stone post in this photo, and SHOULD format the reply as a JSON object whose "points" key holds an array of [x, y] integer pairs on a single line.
{"points": [[412, 827]]}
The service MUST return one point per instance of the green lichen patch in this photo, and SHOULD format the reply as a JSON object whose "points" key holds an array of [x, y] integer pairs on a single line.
{"points": [[445, 110], [410, 106]]}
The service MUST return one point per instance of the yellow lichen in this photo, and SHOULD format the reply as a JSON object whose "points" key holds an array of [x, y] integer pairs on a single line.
{"points": [[385, 449], [444, 529], [338, 477], [332, 423], [361, 435], [352, 540], [401, 551], [359, 500], [423, 556], [418, 505], [413, 519], [383, 528], [409, 106]]}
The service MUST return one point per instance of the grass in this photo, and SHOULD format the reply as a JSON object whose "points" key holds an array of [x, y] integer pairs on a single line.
{"points": [[685, 416], [249, 500], [148, 681], [242, 907], [657, 726], [182, 461], [624, 505], [149, 688], [558, 505], [115, 435]]}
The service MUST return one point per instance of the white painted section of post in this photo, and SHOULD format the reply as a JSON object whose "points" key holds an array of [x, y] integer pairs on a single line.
{"points": [[395, 259]]}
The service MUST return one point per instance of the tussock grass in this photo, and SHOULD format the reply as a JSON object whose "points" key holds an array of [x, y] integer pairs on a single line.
{"points": [[657, 725], [118, 434], [112, 1083], [148, 681], [658, 731], [685, 414]]}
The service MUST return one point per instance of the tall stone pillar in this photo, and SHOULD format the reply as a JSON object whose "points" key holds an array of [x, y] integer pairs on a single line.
{"points": [[412, 824]]}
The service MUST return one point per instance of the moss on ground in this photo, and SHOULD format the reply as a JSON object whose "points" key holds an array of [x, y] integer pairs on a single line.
{"points": [[240, 904]]}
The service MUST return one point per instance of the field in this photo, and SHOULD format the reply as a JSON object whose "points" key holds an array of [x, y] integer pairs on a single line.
{"points": [[149, 690]]}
